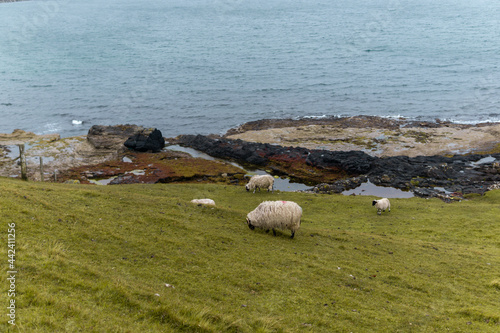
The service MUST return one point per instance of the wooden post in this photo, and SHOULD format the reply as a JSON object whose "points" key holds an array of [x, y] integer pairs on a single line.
{"points": [[22, 158], [41, 168]]}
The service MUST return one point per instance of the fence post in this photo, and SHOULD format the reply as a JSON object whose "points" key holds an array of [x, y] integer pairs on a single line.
{"points": [[41, 168], [22, 158]]}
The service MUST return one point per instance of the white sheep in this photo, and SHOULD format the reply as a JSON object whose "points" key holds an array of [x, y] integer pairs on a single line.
{"points": [[207, 202], [260, 181], [276, 214], [382, 205]]}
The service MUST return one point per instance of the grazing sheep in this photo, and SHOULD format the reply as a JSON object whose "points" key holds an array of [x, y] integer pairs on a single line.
{"points": [[382, 205], [207, 202], [276, 214], [260, 181]]}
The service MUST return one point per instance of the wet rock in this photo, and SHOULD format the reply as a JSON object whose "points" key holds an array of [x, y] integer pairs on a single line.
{"points": [[424, 192], [126, 179], [149, 139], [340, 186], [353, 162], [111, 137], [361, 121], [245, 152], [335, 172]]}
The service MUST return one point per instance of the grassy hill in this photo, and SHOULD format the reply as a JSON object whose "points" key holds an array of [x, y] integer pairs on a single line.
{"points": [[141, 258]]}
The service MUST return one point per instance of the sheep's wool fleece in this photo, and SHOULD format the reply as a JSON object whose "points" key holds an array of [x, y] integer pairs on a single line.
{"points": [[260, 181], [208, 202], [383, 204], [276, 214]]}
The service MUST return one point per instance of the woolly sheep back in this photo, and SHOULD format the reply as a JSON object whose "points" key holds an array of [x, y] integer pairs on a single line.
{"points": [[260, 181], [207, 202], [283, 215], [382, 205]]}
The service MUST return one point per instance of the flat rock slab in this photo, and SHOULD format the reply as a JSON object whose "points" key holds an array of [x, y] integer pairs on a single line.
{"points": [[18, 137], [375, 136]]}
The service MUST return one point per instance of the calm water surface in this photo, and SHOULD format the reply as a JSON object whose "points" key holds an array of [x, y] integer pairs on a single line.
{"points": [[204, 66]]}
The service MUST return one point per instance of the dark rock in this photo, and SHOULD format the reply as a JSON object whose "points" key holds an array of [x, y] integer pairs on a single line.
{"points": [[246, 152], [353, 162], [146, 140], [424, 175], [126, 179], [111, 137], [340, 186]]}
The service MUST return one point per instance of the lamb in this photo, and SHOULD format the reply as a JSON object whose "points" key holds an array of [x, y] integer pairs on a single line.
{"points": [[260, 181], [382, 205], [207, 202], [276, 214]]}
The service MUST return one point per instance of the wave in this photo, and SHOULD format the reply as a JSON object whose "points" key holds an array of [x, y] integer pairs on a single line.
{"points": [[51, 128], [317, 117], [474, 122]]}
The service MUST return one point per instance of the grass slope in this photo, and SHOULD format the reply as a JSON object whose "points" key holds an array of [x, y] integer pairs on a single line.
{"points": [[98, 258]]}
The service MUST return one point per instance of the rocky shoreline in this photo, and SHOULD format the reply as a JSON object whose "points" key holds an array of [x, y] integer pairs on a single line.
{"points": [[339, 171], [375, 136], [101, 156]]}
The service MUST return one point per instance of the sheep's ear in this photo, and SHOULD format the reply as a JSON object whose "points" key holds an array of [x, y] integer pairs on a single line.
{"points": [[374, 202]]}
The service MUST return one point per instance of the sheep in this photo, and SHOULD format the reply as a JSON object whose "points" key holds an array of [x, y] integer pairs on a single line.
{"points": [[260, 181], [382, 205], [276, 214], [207, 202]]}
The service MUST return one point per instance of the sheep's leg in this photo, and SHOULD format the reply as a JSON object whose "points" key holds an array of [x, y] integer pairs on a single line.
{"points": [[274, 232], [293, 234]]}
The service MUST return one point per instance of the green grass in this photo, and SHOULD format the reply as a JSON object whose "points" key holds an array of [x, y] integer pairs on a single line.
{"points": [[97, 258]]}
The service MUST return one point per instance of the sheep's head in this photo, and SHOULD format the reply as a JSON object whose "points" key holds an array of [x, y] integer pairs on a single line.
{"points": [[374, 202], [250, 224], [247, 187]]}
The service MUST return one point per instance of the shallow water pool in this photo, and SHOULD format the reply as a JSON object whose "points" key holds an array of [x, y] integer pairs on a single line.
{"points": [[369, 188]]}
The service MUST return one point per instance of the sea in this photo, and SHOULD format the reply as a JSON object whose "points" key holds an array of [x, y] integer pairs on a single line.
{"points": [[205, 66]]}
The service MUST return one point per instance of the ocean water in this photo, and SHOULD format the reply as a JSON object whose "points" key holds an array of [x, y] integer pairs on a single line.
{"points": [[204, 66]]}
